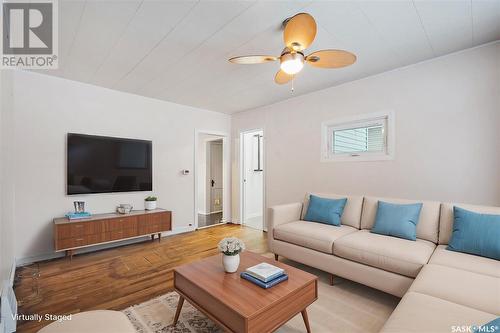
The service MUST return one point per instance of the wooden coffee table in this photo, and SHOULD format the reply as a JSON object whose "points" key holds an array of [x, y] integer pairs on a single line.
{"points": [[238, 305]]}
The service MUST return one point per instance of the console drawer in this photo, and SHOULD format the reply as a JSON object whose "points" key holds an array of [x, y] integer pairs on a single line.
{"points": [[129, 222], [69, 243], [79, 229]]}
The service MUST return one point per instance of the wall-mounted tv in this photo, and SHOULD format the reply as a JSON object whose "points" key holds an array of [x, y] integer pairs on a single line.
{"points": [[100, 164]]}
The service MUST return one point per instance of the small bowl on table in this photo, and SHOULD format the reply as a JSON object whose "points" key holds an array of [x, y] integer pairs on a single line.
{"points": [[124, 209]]}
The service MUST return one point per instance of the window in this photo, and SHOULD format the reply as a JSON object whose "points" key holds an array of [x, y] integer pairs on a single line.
{"points": [[363, 138]]}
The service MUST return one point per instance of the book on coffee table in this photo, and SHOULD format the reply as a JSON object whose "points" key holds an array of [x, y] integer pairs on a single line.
{"points": [[265, 285], [265, 272]]}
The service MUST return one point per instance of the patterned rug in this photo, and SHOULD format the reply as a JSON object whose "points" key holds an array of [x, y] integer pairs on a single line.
{"points": [[156, 316], [344, 307]]}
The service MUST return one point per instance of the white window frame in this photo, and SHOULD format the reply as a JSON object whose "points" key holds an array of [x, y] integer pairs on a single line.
{"points": [[328, 127]]}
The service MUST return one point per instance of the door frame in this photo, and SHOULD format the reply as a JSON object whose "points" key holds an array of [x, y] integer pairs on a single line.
{"points": [[242, 176], [226, 165]]}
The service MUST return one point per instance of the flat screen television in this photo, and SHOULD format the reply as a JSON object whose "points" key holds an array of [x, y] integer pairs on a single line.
{"points": [[100, 164]]}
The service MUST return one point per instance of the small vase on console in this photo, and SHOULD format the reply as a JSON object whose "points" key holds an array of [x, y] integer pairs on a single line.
{"points": [[150, 203]]}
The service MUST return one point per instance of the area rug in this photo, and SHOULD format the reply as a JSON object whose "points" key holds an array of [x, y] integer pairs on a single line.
{"points": [[344, 307]]}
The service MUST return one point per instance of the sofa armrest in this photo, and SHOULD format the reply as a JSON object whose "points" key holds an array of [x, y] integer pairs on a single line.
{"points": [[282, 214]]}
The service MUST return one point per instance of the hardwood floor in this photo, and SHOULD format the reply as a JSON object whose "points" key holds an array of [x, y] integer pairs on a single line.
{"points": [[119, 277]]}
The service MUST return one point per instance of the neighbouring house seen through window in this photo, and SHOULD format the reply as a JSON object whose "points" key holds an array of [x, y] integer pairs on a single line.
{"points": [[361, 138]]}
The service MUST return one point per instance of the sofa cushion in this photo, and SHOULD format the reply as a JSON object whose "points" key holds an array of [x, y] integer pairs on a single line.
{"points": [[467, 262], [325, 210], [446, 218], [316, 236], [423, 313], [397, 220], [470, 289], [428, 222], [392, 254], [475, 233], [351, 215]]}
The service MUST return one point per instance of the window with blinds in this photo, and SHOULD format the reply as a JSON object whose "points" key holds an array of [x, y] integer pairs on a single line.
{"points": [[357, 140], [365, 138]]}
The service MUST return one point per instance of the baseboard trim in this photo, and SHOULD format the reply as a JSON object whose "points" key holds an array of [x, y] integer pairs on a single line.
{"points": [[53, 255]]}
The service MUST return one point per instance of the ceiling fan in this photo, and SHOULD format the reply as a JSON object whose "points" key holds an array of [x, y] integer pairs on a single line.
{"points": [[298, 34]]}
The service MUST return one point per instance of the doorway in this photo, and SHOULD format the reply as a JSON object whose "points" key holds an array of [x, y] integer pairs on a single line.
{"points": [[210, 180], [252, 179]]}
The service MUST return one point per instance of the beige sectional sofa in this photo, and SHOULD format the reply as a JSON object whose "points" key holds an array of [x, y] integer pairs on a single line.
{"points": [[440, 289]]}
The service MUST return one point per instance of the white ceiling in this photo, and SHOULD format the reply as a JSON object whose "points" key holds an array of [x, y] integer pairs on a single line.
{"points": [[178, 50]]}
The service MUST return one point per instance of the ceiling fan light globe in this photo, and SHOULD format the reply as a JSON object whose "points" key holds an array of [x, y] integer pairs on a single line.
{"points": [[292, 63]]}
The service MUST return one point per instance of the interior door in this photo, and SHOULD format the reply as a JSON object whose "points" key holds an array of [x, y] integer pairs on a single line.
{"points": [[253, 179], [216, 183]]}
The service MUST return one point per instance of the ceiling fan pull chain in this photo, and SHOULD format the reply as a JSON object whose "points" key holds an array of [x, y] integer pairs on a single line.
{"points": [[293, 80]]}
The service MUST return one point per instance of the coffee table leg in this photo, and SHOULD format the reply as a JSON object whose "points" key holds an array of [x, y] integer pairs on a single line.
{"points": [[306, 320], [179, 308]]}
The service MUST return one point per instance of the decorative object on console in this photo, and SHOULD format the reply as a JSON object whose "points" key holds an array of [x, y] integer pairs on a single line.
{"points": [[150, 202], [230, 248], [79, 206], [397, 220], [124, 208], [324, 210], [78, 216]]}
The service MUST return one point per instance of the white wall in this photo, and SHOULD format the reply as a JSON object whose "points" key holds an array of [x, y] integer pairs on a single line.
{"points": [[7, 257], [447, 134], [47, 108]]}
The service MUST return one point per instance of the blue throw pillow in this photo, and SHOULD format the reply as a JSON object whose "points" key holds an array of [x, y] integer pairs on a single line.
{"points": [[475, 233], [325, 210], [490, 327], [397, 220]]}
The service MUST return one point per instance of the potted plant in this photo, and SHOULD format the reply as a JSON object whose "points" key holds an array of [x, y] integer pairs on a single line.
{"points": [[230, 248], [150, 202]]}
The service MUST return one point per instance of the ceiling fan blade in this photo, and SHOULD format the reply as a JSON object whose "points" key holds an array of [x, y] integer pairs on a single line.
{"points": [[253, 59], [300, 31], [282, 77], [331, 58]]}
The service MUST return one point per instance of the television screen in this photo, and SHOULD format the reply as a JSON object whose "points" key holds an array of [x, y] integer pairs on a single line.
{"points": [[99, 164]]}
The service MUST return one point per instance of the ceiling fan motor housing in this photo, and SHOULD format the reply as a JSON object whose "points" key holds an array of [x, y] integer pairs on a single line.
{"points": [[292, 56], [292, 62]]}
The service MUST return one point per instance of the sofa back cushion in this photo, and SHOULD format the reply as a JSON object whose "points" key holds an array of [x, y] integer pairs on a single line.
{"points": [[475, 233], [428, 223], [397, 220], [351, 215], [325, 210], [446, 219]]}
